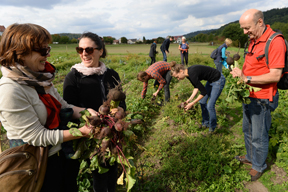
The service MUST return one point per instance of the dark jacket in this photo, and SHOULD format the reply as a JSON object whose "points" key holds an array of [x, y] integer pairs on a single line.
{"points": [[219, 53], [89, 91], [152, 52], [165, 45]]}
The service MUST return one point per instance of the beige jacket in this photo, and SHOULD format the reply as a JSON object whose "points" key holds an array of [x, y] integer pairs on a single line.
{"points": [[24, 115]]}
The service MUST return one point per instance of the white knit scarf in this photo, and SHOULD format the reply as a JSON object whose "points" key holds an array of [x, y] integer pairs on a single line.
{"points": [[80, 67]]}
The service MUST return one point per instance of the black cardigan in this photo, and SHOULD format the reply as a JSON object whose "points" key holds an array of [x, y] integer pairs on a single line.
{"points": [[197, 73], [86, 91]]}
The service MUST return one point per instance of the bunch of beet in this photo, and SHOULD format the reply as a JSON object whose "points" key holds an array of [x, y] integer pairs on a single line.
{"points": [[106, 136], [230, 60]]}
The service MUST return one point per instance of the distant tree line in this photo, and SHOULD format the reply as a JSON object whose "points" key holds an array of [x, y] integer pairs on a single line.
{"points": [[276, 18]]}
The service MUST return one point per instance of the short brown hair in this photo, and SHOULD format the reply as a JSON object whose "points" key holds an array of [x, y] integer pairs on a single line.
{"points": [[19, 40], [141, 75], [175, 68]]}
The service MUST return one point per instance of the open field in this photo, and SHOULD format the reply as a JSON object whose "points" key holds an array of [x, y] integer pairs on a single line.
{"points": [[142, 49], [171, 153]]}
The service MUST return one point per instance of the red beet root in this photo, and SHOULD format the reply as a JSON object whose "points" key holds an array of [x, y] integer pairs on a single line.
{"points": [[182, 105], [104, 109], [116, 94], [120, 114], [119, 126], [105, 132], [94, 120]]}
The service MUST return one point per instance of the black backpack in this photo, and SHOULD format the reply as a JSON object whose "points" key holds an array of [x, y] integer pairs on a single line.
{"points": [[283, 83], [214, 53]]}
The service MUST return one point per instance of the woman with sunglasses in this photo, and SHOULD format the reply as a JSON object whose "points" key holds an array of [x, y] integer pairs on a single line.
{"points": [[30, 105], [87, 85], [212, 90]]}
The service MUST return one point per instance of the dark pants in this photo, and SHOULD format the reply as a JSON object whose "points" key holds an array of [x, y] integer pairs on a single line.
{"points": [[61, 174], [184, 55], [167, 76], [153, 60], [105, 182]]}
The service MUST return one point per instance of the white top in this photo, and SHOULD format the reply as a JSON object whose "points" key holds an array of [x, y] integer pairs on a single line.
{"points": [[24, 115]]}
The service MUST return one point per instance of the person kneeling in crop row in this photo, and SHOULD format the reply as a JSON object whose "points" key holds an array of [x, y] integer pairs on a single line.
{"points": [[212, 90], [160, 71]]}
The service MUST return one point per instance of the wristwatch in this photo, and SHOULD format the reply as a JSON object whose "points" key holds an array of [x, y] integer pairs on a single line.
{"points": [[249, 79]]}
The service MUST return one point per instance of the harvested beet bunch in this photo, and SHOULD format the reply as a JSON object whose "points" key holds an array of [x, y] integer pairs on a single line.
{"points": [[116, 95], [107, 142]]}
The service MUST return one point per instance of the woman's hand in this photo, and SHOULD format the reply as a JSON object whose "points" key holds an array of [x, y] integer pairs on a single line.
{"points": [[93, 112], [186, 102], [156, 93], [85, 130], [188, 106]]}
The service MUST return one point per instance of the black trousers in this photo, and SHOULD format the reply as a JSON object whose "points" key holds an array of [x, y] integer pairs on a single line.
{"points": [[105, 182], [153, 60], [61, 174], [184, 55], [167, 76]]}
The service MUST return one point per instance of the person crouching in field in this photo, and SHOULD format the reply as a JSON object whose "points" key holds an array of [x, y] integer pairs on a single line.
{"points": [[160, 71], [212, 90]]}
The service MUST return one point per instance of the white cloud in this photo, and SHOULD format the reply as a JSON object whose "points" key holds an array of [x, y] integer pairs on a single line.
{"points": [[129, 18]]}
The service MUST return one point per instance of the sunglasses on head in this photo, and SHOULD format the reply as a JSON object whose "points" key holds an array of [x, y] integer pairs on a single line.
{"points": [[88, 50], [43, 51]]}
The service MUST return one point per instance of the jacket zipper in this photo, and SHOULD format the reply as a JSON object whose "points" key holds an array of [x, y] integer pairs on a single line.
{"points": [[29, 172], [27, 156]]}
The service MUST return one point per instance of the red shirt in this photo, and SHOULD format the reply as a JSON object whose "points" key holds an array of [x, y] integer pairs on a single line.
{"points": [[156, 71], [254, 67]]}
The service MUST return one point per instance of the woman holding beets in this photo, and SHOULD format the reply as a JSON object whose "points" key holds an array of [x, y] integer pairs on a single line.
{"points": [[212, 89], [29, 103], [87, 85]]}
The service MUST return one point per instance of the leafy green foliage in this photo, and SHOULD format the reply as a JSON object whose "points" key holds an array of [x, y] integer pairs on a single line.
{"points": [[170, 152]]}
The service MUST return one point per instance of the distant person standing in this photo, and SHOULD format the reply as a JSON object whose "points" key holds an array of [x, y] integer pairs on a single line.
{"points": [[165, 47], [153, 52], [183, 47], [221, 56]]}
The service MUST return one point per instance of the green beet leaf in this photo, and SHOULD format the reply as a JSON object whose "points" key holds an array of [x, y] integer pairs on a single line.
{"points": [[75, 132]]}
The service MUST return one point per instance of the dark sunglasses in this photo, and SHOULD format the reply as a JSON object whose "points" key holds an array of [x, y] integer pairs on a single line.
{"points": [[88, 50], [43, 51]]}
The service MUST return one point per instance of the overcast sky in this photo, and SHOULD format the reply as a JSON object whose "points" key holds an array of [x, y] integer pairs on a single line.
{"points": [[129, 18]]}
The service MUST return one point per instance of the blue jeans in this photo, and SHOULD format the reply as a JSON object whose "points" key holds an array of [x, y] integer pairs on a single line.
{"points": [[256, 125], [214, 90], [164, 56], [218, 65]]}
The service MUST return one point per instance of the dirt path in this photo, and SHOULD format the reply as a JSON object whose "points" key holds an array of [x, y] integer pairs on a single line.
{"points": [[255, 186]]}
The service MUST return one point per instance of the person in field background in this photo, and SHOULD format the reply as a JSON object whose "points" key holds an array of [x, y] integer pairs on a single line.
{"points": [[165, 47], [183, 47], [220, 60], [153, 52]]}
